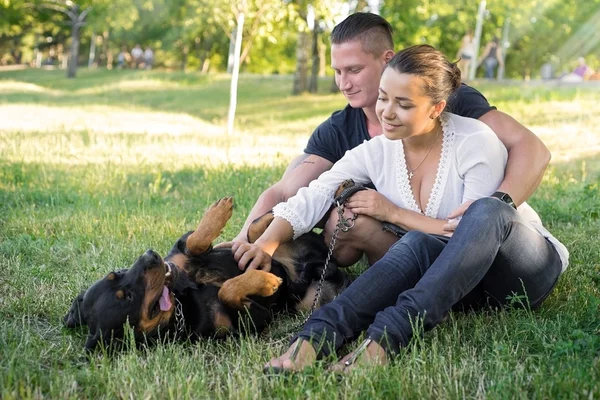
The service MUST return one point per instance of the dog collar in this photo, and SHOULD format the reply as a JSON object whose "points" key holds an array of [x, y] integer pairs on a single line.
{"points": [[179, 318]]}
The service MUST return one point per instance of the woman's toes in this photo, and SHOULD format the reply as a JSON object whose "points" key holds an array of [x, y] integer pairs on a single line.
{"points": [[368, 353], [299, 356]]}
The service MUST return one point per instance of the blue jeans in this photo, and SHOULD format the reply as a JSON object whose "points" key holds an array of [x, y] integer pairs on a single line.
{"points": [[492, 256], [490, 65]]}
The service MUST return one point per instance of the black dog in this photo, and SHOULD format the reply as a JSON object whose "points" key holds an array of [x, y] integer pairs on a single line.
{"points": [[197, 291]]}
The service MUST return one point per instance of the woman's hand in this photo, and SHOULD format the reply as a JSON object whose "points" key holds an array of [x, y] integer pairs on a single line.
{"points": [[250, 256], [372, 203], [455, 216]]}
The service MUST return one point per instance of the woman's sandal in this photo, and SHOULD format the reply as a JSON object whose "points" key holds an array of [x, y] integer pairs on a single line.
{"points": [[279, 370], [347, 363]]}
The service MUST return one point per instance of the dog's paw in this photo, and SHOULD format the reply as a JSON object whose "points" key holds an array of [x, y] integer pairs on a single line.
{"points": [[221, 210], [210, 227], [270, 285]]}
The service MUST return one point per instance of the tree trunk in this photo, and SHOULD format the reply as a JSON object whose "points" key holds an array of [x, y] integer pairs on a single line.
{"points": [[235, 73], [184, 57], [322, 58], [314, 73], [334, 87], [92, 56], [72, 69], [105, 56], [300, 76]]}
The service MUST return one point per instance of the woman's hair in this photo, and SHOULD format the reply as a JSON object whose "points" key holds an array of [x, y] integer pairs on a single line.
{"points": [[441, 77]]}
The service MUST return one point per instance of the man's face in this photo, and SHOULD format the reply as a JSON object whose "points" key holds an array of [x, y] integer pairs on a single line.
{"points": [[357, 73]]}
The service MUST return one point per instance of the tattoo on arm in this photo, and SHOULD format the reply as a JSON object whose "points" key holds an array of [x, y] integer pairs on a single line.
{"points": [[298, 161]]}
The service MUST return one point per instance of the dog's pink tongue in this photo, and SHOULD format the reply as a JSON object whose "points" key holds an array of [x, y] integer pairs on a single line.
{"points": [[165, 300]]}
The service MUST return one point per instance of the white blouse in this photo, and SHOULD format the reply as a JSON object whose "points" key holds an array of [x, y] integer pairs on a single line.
{"points": [[471, 166]]}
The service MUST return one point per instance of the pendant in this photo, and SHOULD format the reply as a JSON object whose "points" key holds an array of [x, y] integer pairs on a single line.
{"points": [[410, 175]]}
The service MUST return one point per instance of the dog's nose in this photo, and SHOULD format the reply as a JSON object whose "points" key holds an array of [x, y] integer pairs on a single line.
{"points": [[152, 255]]}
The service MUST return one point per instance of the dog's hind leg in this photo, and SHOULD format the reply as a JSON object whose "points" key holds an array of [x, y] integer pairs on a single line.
{"points": [[235, 291], [210, 226], [259, 226]]}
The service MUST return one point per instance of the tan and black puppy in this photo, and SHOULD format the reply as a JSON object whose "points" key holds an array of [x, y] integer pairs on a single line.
{"points": [[198, 291]]}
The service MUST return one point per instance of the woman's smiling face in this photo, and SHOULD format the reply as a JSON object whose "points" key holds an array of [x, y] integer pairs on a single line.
{"points": [[402, 107]]}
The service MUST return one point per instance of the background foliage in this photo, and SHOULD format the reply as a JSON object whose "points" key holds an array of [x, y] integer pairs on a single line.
{"points": [[195, 34]]}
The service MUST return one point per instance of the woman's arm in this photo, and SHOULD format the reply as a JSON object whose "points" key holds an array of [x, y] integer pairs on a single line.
{"points": [[302, 212], [376, 205], [258, 254], [480, 162], [311, 203]]}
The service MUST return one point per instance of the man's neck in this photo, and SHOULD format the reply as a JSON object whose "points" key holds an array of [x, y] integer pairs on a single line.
{"points": [[373, 125]]}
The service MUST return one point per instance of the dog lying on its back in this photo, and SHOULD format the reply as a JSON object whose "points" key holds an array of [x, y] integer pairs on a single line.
{"points": [[198, 291]]}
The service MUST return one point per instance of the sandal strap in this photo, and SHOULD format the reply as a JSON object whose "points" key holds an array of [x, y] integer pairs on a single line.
{"points": [[357, 353], [296, 350]]}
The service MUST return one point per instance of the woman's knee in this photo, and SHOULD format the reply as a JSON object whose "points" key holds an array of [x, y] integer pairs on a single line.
{"points": [[414, 240], [362, 228], [489, 207], [419, 247]]}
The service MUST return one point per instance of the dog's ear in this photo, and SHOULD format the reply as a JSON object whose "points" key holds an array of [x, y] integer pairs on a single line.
{"points": [[74, 317]]}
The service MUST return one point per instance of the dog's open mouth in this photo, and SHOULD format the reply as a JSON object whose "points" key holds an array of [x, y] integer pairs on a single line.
{"points": [[162, 303]]}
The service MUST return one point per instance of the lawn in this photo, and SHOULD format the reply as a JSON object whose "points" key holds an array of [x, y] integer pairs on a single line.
{"points": [[96, 170]]}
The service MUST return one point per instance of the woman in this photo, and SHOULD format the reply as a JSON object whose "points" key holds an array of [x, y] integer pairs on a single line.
{"points": [[465, 54], [425, 164], [492, 57]]}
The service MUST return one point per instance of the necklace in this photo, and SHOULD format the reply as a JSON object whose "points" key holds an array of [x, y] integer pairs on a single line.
{"points": [[411, 171]]}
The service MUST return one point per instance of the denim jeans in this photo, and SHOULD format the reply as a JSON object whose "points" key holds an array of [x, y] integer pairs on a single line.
{"points": [[492, 255], [490, 64]]}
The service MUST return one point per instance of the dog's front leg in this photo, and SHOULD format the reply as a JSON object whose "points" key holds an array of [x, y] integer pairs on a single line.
{"points": [[235, 291], [210, 226]]}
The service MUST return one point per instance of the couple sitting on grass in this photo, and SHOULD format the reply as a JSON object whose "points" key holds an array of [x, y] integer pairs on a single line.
{"points": [[458, 240]]}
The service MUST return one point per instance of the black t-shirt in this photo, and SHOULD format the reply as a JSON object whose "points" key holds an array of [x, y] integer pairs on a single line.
{"points": [[347, 128]]}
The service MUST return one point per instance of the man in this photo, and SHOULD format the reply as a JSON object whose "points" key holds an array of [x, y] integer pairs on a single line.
{"points": [[361, 47]]}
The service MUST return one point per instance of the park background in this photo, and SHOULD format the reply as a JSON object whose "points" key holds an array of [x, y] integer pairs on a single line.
{"points": [[96, 169]]}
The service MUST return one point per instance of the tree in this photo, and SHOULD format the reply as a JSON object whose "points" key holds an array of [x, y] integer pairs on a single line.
{"points": [[76, 20]]}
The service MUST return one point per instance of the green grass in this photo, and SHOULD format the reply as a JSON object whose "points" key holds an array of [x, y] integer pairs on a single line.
{"points": [[96, 170]]}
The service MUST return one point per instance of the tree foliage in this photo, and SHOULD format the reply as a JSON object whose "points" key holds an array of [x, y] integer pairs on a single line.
{"points": [[195, 34]]}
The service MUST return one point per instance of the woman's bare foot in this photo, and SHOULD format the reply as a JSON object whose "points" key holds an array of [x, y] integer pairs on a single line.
{"points": [[300, 355], [368, 353]]}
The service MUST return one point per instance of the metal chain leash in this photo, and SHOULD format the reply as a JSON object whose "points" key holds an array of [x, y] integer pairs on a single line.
{"points": [[343, 225], [179, 318]]}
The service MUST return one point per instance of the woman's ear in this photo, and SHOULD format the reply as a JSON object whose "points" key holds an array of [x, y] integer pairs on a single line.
{"points": [[438, 109]]}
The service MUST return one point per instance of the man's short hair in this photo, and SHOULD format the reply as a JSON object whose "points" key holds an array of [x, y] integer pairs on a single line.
{"points": [[373, 31]]}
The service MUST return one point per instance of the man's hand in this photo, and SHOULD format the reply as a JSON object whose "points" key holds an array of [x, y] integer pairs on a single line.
{"points": [[455, 216], [249, 256], [372, 203]]}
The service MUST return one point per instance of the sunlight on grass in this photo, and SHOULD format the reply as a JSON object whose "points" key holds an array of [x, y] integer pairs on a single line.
{"points": [[94, 133], [24, 87]]}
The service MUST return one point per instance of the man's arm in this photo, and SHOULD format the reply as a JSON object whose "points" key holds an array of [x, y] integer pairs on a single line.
{"points": [[301, 171], [527, 155]]}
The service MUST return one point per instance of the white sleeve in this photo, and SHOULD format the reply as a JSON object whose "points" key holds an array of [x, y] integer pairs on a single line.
{"points": [[481, 160], [310, 204]]}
